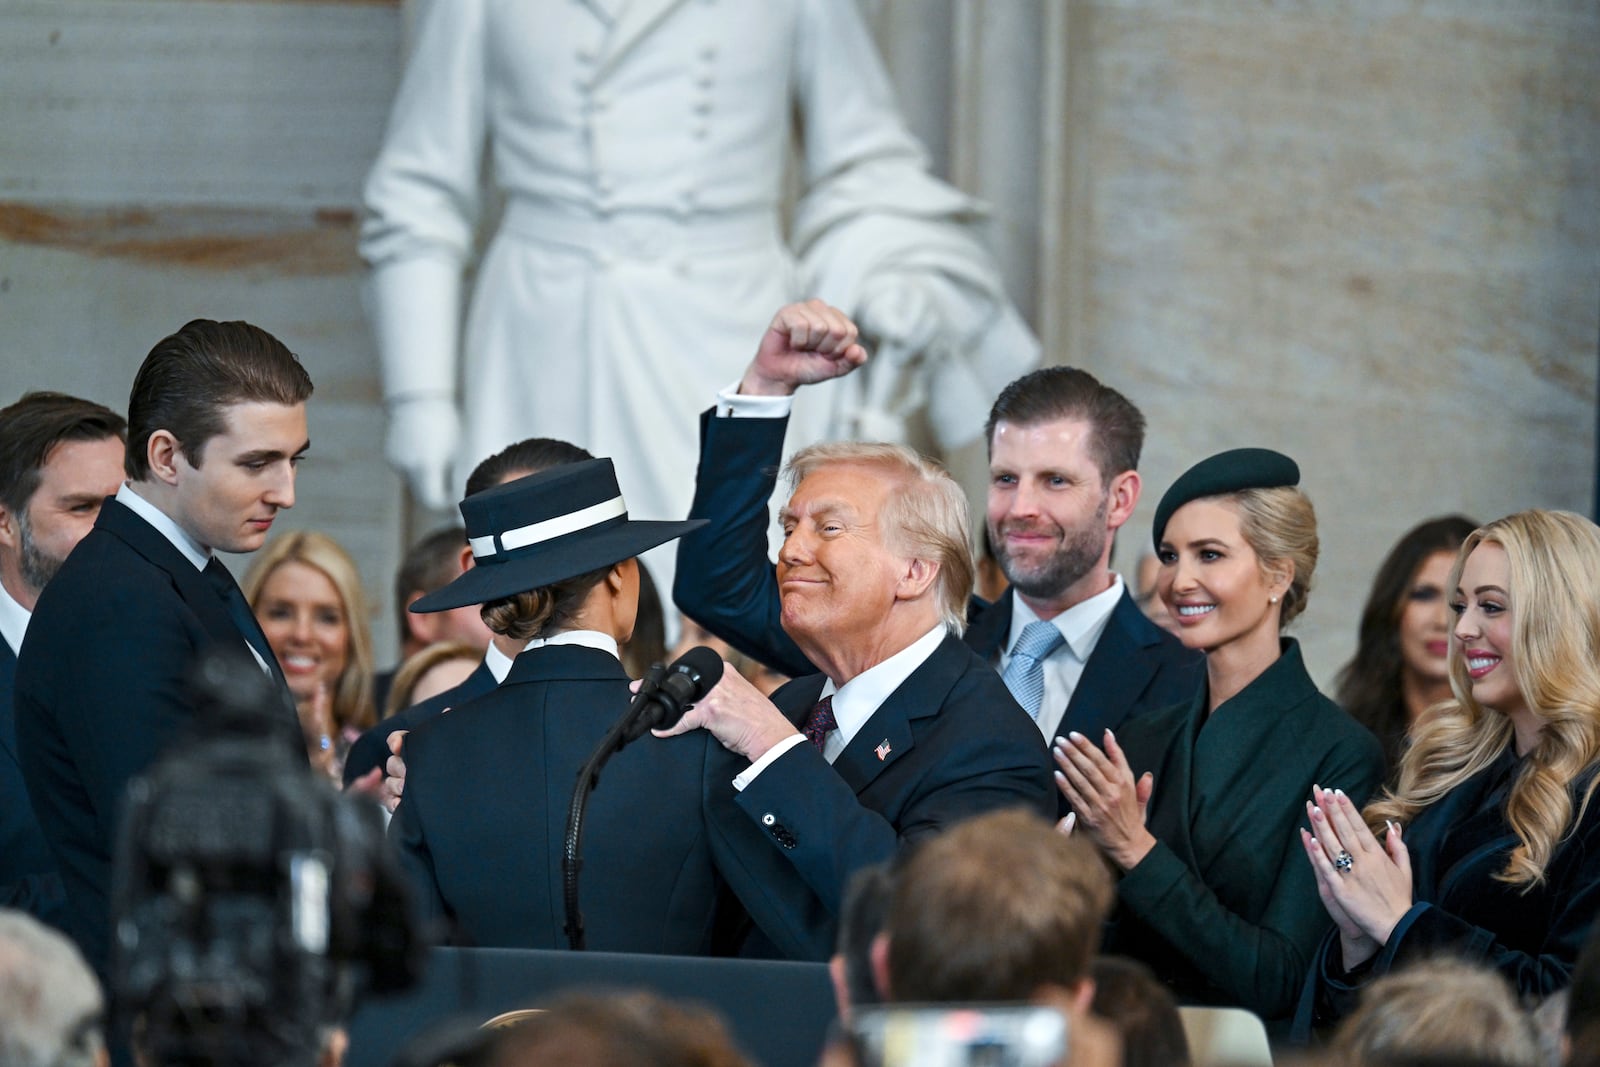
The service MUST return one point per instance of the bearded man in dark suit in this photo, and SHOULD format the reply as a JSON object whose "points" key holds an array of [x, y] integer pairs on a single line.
{"points": [[60, 457], [874, 576], [216, 428]]}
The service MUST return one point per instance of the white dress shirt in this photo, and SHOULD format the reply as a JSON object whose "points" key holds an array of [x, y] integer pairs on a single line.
{"points": [[855, 702], [13, 621], [1081, 625]]}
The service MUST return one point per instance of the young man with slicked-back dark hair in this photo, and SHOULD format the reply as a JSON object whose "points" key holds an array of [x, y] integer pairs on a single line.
{"points": [[60, 457], [216, 428]]}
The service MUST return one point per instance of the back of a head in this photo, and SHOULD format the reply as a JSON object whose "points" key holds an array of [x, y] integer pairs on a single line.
{"points": [[959, 932], [528, 456], [50, 1002], [1440, 1011], [190, 378], [618, 1030], [1128, 996]]}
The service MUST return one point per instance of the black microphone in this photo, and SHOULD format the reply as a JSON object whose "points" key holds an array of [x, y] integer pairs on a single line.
{"points": [[690, 677]]}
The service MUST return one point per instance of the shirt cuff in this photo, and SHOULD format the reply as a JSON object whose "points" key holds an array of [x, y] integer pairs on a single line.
{"points": [[767, 759], [732, 404]]}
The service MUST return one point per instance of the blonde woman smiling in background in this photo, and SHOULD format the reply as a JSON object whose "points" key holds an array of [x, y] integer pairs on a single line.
{"points": [[306, 594], [1491, 846]]}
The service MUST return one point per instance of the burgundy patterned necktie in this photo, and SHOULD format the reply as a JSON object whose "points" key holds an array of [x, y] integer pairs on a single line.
{"points": [[820, 722]]}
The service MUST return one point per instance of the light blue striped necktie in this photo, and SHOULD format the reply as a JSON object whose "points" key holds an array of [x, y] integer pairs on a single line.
{"points": [[1024, 673]]}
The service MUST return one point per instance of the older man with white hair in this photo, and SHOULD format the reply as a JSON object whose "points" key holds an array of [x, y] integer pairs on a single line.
{"points": [[50, 1001], [905, 731]]}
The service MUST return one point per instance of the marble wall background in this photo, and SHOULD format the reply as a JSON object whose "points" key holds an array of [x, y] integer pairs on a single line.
{"points": [[1365, 232]]}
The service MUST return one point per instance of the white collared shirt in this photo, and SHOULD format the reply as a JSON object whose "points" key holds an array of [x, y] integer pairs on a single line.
{"points": [[13, 621], [192, 550], [1081, 625], [855, 702], [732, 404], [587, 638]]}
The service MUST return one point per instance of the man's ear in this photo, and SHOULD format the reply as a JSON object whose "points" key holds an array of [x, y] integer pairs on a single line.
{"points": [[423, 628], [880, 967], [919, 576], [10, 535], [1122, 496], [163, 453], [468, 560]]}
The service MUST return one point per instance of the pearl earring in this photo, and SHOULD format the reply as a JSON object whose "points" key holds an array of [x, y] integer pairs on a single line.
{"points": [[1272, 600]]}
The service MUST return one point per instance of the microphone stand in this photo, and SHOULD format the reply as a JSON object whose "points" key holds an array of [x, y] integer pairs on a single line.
{"points": [[588, 779]]}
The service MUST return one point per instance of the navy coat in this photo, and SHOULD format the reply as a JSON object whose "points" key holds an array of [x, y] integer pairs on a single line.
{"points": [[28, 878], [102, 693], [482, 824], [948, 744], [371, 749]]}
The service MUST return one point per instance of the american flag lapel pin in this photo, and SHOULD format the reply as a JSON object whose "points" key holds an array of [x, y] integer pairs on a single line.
{"points": [[882, 750]]}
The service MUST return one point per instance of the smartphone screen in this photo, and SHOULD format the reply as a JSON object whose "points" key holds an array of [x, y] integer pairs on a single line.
{"points": [[945, 1035]]}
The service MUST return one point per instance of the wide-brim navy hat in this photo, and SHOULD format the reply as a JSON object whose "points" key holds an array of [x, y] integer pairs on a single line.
{"points": [[536, 531], [1226, 472]]}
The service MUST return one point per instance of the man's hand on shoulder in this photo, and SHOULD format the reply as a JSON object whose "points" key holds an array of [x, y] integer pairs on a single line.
{"points": [[806, 343], [737, 715]]}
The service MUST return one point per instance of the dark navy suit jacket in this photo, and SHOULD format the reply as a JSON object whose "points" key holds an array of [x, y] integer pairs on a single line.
{"points": [[949, 743], [28, 878], [102, 693], [482, 825], [371, 749], [726, 583]]}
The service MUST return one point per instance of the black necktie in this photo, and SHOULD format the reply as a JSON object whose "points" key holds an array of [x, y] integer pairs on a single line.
{"points": [[239, 611]]}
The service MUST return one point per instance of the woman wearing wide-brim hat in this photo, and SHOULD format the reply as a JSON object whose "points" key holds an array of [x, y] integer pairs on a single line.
{"points": [[482, 823]]}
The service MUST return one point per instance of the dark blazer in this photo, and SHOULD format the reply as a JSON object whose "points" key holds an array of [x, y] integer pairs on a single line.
{"points": [[371, 749], [949, 743], [1457, 846], [28, 878], [482, 824], [1224, 909], [101, 694], [726, 583]]}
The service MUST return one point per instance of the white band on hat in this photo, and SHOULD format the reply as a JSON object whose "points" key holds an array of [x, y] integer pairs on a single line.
{"points": [[549, 529]]}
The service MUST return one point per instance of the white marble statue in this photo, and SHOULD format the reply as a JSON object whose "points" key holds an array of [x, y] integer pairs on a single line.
{"points": [[642, 147]]}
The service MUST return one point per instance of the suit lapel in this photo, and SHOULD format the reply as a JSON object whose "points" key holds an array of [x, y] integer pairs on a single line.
{"points": [[887, 735], [1118, 670], [635, 20], [193, 587]]}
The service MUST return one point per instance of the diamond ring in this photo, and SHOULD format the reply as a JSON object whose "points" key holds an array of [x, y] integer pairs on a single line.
{"points": [[1343, 862]]}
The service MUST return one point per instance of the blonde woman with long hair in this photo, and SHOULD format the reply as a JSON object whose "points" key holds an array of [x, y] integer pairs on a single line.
{"points": [[1490, 841]]}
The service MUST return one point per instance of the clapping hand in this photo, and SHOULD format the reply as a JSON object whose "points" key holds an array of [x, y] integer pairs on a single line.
{"points": [[1366, 886], [1108, 802]]}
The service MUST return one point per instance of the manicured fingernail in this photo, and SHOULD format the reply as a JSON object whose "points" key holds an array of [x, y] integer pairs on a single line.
{"points": [[1338, 792], [1075, 735], [1390, 824], [1060, 777], [1110, 734]]}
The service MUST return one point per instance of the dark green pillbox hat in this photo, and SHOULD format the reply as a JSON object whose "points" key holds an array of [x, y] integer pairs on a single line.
{"points": [[1223, 473]]}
